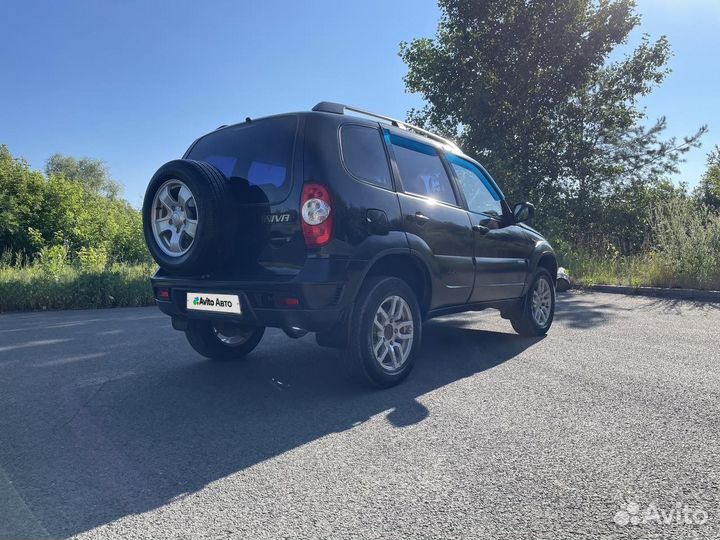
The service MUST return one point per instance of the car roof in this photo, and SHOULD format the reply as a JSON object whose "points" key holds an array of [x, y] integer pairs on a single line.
{"points": [[330, 111], [334, 110]]}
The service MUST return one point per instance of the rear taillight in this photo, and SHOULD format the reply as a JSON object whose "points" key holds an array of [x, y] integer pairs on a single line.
{"points": [[317, 215]]}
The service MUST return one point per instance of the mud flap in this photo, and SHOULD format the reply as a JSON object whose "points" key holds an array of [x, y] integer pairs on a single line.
{"points": [[337, 337]]}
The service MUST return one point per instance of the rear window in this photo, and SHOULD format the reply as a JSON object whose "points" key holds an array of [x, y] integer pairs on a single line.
{"points": [[364, 154], [259, 153]]}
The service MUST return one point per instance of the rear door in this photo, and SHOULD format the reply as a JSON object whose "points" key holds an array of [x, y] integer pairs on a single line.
{"points": [[500, 251], [432, 216], [260, 160]]}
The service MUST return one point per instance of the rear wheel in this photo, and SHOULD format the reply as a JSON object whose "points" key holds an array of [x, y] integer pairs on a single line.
{"points": [[538, 308], [386, 331], [222, 341]]}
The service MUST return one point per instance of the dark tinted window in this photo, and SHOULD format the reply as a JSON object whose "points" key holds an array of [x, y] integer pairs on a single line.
{"points": [[259, 153], [364, 155], [421, 170], [480, 194]]}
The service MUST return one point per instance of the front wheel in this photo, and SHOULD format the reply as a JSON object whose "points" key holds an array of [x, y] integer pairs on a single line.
{"points": [[221, 340], [538, 307], [386, 331]]}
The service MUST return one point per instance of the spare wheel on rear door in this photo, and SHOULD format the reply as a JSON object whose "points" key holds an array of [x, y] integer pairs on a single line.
{"points": [[185, 216]]}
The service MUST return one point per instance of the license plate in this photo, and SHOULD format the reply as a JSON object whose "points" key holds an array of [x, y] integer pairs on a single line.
{"points": [[222, 303]]}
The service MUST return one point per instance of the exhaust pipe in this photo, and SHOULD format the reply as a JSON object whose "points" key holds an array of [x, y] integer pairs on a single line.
{"points": [[294, 332]]}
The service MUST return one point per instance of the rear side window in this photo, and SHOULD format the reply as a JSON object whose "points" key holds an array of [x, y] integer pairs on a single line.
{"points": [[259, 153], [421, 170], [364, 155]]}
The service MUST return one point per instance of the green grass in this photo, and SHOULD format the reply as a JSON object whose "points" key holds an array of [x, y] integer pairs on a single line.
{"points": [[644, 270], [685, 252], [35, 287]]}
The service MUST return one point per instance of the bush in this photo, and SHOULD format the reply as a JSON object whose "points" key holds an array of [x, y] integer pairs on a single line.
{"points": [[688, 241], [34, 287], [92, 259], [685, 252], [53, 259], [77, 211], [67, 240]]}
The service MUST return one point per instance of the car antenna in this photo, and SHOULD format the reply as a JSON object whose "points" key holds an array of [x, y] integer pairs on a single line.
{"points": [[248, 119]]}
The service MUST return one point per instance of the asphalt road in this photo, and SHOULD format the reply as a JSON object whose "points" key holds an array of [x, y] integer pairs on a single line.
{"points": [[111, 427]]}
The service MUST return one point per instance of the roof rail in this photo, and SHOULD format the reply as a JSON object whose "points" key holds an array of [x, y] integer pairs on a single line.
{"points": [[339, 108]]}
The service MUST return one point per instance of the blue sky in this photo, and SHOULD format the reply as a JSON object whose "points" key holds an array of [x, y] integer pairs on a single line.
{"points": [[134, 83]]}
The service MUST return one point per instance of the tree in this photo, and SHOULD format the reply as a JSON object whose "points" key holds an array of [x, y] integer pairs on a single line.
{"points": [[65, 211], [526, 86], [21, 191], [93, 174], [708, 191]]}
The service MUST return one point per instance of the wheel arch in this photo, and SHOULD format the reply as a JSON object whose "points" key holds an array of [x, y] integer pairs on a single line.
{"points": [[407, 267], [542, 257], [548, 261]]}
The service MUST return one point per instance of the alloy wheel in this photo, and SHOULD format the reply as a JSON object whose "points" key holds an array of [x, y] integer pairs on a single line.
{"points": [[392, 333], [541, 302], [174, 218], [230, 335]]}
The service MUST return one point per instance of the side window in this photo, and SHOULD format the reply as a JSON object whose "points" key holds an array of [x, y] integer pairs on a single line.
{"points": [[421, 170], [480, 194], [364, 155]]}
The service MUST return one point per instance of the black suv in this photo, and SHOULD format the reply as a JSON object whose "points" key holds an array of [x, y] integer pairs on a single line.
{"points": [[342, 222]]}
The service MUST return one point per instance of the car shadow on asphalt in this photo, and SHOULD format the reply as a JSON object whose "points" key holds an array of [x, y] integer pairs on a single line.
{"points": [[139, 441]]}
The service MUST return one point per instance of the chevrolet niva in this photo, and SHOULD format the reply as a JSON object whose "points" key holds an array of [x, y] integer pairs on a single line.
{"points": [[342, 222]]}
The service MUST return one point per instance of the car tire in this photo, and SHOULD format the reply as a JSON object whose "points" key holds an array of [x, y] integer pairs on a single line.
{"points": [[219, 341], [166, 218], [383, 349], [538, 307]]}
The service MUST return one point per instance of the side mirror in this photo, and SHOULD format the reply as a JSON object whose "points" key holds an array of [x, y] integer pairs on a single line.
{"points": [[523, 211]]}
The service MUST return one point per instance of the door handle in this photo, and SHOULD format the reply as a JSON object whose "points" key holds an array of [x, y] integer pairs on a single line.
{"points": [[421, 218], [482, 229]]}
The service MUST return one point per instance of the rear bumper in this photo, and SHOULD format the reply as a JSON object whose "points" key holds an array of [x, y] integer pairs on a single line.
{"points": [[318, 308]]}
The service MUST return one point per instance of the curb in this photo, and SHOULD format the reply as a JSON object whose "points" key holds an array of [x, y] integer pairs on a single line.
{"points": [[678, 294]]}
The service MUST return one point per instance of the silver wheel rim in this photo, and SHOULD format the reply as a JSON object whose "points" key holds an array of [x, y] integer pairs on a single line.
{"points": [[541, 303], [233, 337], [174, 218], [392, 333]]}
